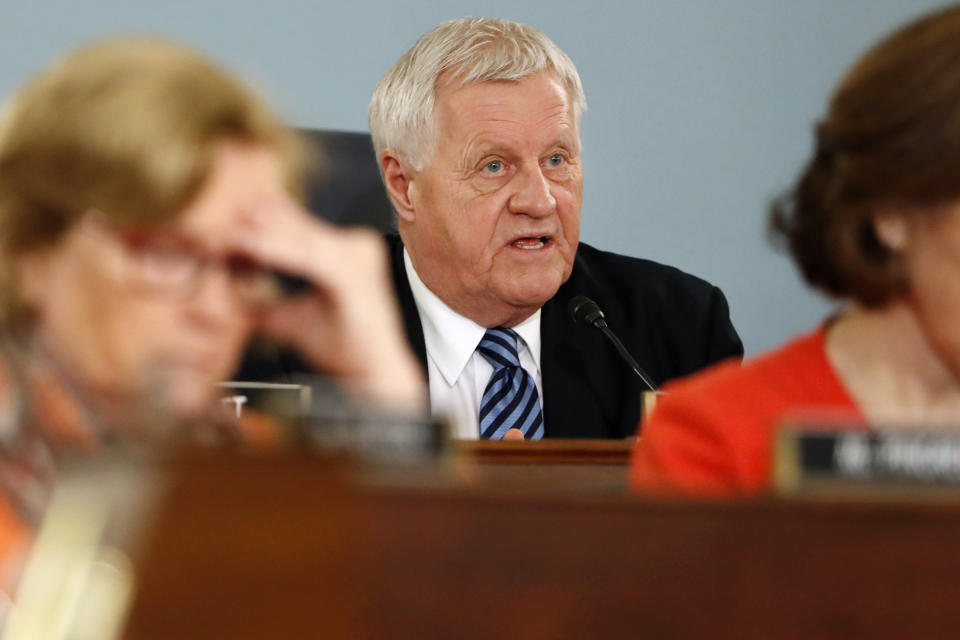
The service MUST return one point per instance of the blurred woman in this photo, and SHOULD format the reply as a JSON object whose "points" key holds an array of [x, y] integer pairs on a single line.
{"points": [[145, 201], [874, 219]]}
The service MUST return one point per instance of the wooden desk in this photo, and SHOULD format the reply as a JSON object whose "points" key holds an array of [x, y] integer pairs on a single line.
{"points": [[285, 548], [558, 465]]}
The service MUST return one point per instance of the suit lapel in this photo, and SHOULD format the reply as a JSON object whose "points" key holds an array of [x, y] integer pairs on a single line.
{"points": [[588, 391], [576, 386]]}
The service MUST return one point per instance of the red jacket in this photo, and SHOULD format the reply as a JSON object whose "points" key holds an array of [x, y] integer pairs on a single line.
{"points": [[712, 433]]}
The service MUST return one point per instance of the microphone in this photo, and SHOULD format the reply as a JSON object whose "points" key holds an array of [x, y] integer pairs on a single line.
{"points": [[584, 311]]}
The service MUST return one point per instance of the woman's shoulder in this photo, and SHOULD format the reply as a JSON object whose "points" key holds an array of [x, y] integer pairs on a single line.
{"points": [[712, 431], [797, 369]]}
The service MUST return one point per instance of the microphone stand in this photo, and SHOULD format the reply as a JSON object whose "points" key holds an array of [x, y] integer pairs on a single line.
{"points": [[583, 310]]}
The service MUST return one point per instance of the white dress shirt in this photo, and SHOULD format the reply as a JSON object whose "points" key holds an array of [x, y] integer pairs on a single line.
{"points": [[458, 375]]}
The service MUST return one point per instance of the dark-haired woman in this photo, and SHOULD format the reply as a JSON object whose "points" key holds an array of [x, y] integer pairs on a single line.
{"points": [[875, 220]]}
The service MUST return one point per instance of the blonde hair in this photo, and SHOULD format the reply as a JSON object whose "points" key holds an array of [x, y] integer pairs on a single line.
{"points": [[472, 50], [125, 126]]}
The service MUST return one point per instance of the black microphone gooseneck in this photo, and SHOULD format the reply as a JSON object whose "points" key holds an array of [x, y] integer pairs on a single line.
{"points": [[585, 311]]}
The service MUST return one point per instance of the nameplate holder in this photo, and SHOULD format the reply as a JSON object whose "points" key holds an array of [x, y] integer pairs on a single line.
{"points": [[315, 413], [378, 437], [881, 462], [648, 401]]}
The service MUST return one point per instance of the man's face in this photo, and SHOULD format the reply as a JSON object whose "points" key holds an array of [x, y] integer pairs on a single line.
{"points": [[494, 217]]}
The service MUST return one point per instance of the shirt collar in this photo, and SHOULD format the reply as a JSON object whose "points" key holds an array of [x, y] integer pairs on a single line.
{"points": [[452, 338], [529, 332]]}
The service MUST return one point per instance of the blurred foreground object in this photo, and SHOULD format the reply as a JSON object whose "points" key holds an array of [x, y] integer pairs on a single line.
{"points": [[148, 208], [293, 545], [79, 580], [873, 220], [80, 576]]}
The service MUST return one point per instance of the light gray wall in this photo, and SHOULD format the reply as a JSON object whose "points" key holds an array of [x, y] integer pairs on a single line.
{"points": [[699, 110]]}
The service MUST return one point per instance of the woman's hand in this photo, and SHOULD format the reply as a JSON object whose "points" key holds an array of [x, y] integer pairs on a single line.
{"points": [[348, 326]]}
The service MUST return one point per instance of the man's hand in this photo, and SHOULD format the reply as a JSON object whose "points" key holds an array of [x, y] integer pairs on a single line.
{"points": [[348, 326]]}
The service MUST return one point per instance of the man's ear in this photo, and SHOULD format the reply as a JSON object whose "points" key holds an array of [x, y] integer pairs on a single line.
{"points": [[398, 178]]}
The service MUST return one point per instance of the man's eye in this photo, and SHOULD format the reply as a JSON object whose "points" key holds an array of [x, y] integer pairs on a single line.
{"points": [[555, 160], [495, 166]]}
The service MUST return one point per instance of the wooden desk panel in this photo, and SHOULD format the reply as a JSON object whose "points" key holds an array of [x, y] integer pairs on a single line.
{"points": [[545, 465], [555, 451], [276, 548]]}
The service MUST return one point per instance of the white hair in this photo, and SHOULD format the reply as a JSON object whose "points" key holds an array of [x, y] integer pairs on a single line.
{"points": [[473, 50]]}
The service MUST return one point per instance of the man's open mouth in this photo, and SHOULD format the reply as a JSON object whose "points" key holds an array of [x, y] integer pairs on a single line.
{"points": [[531, 243]]}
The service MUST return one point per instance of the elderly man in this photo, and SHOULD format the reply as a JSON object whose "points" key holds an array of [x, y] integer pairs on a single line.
{"points": [[476, 129]]}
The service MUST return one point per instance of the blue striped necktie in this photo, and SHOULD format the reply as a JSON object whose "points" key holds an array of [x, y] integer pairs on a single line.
{"points": [[510, 399]]}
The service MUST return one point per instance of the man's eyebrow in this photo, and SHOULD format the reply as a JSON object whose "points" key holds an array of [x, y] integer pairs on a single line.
{"points": [[475, 152], [484, 146], [567, 139]]}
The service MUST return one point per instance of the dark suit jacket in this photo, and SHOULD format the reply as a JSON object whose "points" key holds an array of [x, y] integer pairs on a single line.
{"points": [[673, 324]]}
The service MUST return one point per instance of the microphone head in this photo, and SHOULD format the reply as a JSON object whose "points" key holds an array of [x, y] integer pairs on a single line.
{"points": [[585, 311]]}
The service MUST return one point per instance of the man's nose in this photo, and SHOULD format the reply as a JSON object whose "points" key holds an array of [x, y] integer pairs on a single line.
{"points": [[533, 196]]}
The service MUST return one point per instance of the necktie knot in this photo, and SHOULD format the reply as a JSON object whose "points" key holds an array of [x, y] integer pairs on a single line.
{"points": [[499, 348]]}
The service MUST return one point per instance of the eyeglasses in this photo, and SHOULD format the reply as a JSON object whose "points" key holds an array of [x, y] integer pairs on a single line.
{"points": [[163, 263]]}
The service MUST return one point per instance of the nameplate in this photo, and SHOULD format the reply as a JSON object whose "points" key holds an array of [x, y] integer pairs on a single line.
{"points": [[278, 400], [379, 438], [315, 413], [818, 460]]}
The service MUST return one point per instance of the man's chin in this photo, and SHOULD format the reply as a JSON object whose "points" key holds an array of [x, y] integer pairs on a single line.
{"points": [[532, 294]]}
